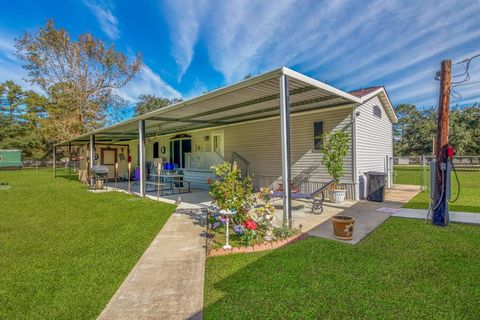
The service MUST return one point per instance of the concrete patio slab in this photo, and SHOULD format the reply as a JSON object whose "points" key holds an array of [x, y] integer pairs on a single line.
{"points": [[365, 213], [167, 282], [366, 217], [455, 216]]}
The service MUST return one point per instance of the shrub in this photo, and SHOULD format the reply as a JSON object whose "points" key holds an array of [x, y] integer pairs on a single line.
{"points": [[230, 192]]}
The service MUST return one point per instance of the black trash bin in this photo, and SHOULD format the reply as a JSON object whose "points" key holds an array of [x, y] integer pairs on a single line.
{"points": [[376, 186]]}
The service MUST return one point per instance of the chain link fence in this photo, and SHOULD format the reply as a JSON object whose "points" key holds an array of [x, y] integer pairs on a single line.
{"points": [[460, 162], [415, 170]]}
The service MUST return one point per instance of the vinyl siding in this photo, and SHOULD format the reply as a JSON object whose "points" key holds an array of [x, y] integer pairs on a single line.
{"points": [[259, 143], [373, 137]]}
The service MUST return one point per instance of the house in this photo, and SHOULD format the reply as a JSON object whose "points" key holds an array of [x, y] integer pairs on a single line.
{"points": [[268, 124]]}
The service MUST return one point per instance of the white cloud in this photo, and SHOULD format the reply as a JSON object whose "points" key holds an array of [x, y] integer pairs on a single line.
{"points": [[148, 82], [10, 66], [108, 22], [184, 19]]}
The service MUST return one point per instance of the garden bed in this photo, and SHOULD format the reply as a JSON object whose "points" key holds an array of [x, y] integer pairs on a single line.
{"points": [[259, 246]]}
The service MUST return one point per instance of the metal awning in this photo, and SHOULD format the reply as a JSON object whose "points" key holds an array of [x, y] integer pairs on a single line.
{"points": [[254, 98]]}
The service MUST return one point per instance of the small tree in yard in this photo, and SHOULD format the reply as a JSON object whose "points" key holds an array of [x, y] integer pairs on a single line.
{"points": [[335, 148], [230, 192]]}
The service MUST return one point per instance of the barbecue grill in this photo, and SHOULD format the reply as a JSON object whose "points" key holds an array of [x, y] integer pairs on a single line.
{"points": [[99, 176]]}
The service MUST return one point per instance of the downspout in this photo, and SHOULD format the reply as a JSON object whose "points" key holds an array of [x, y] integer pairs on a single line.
{"points": [[356, 186]]}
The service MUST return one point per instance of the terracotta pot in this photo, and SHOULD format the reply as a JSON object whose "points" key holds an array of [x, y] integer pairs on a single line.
{"points": [[343, 227], [337, 195]]}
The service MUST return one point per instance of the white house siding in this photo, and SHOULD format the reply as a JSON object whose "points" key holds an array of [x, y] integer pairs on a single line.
{"points": [[259, 143], [373, 138]]}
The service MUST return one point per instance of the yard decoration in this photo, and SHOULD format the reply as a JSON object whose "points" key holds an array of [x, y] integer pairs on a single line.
{"points": [[5, 186], [265, 214], [226, 214], [335, 148]]}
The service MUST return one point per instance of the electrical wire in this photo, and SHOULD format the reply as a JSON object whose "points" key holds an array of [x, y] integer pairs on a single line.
{"points": [[430, 209], [458, 183]]}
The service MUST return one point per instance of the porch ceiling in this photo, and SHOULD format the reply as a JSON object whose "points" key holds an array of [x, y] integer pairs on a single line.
{"points": [[251, 99]]}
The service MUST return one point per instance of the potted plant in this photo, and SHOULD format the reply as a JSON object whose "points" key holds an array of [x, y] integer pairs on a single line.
{"points": [[334, 148], [343, 227]]}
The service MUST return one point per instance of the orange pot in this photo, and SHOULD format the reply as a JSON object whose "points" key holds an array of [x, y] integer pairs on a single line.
{"points": [[343, 227]]}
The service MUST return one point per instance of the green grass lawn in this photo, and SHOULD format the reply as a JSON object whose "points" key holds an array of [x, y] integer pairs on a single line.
{"points": [[65, 251], [403, 270], [469, 200]]}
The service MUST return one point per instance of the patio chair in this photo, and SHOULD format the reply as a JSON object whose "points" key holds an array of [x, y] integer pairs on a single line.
{"points": [[317, 202]]}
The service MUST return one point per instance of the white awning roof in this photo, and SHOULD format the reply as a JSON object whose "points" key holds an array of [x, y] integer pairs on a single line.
{"points": [[250, 99]]}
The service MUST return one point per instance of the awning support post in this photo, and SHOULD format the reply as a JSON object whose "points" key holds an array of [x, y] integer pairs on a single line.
{"points": [[92, 158], [141, 156], [54, 161], [285, 144]]}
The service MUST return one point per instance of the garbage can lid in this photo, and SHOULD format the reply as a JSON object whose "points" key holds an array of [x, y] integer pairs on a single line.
{"points": [[375, 173]]}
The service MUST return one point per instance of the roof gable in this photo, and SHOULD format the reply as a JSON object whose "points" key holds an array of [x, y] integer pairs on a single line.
{"points": [[366, 94]]}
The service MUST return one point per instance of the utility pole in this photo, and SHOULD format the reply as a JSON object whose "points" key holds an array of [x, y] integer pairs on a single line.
{"points": [[440, 212]]}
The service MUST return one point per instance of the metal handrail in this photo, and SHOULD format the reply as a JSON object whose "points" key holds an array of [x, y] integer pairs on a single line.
{"points": [[236, 156], [203, 160]]}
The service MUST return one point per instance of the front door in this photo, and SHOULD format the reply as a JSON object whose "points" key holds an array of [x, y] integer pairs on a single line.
{"points": [[217, 142], [178, 148]]}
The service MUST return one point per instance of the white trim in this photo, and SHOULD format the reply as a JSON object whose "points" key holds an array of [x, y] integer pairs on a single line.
{"points": [[319, 84], [221, 134], [356, 192]]}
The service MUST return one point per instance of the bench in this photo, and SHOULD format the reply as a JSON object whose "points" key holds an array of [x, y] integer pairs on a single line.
{"points": [[317, 202]]}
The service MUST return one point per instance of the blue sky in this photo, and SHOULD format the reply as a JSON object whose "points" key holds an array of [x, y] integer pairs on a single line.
{"points": [[190, 47]]}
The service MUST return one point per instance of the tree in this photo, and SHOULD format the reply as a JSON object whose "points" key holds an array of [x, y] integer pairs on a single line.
{"points": [[81, 76], [10, 98], [148, 102], [414, 132], [19, 121]]}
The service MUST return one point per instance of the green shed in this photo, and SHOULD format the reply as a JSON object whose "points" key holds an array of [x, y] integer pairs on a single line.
{"points": [[10, 159]]}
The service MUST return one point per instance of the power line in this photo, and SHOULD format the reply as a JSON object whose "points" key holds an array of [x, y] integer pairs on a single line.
{"points": [[466, 66]]}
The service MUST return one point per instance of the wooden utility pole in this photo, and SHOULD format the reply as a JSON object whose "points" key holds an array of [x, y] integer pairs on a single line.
{"points": [[440, 212]]}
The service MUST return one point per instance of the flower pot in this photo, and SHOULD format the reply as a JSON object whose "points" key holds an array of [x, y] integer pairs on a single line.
{"points": [[343, 227], [337, 195]]}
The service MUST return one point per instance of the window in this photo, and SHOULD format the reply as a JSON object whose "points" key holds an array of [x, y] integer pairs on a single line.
{"points": [[377, 112], [317, 135]]}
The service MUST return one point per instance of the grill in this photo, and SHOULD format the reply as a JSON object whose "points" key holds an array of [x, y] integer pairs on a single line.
{"points": [[99, 176], [99, 171]]}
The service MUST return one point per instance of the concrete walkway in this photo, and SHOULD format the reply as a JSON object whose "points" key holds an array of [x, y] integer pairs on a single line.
{"points": [[461, 217], [167, 282]]}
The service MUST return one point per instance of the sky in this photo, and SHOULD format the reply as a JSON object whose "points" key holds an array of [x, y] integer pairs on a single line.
{"points": [[190, 47]]}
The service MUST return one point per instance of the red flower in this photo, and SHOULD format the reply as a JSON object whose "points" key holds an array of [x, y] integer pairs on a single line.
{"points": [[250, 224]]}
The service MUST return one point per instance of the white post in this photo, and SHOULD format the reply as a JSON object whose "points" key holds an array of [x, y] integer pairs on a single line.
{"points": [[69, 160], [227, 245], [285, 144], [54, 161], [141, 156], [92, 157]]}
